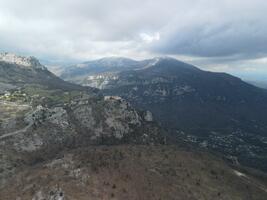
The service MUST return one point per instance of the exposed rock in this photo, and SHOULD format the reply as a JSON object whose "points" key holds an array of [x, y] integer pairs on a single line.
{"points": [[148, 116], [20, 60], [53, 194]]}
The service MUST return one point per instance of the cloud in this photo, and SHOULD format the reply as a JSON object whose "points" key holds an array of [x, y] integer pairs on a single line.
{"points": [[223, 31], [148, 38], [220, 29]]}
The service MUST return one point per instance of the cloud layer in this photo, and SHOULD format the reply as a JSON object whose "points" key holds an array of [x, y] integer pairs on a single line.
{"points": [[224, 30], [218, 29]]}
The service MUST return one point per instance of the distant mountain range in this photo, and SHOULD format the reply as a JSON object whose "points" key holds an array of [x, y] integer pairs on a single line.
{"points": [[258, 83], [214, 110]]}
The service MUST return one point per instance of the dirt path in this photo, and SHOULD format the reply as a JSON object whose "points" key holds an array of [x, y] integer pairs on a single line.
{"points": [[15, 132], [19, 108]]}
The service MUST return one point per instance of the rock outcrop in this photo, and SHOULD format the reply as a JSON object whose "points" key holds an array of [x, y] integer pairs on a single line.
{"points": [[21, 60]]}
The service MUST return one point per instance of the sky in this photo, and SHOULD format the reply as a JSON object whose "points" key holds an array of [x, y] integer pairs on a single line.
{"points": [[218, 35]]}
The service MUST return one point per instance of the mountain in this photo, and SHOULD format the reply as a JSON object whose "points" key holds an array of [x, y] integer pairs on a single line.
{"points": [[260, 84], [214, 110], [16, 71], [258, 79], [42, 113], [62, 141], [79, 72]]}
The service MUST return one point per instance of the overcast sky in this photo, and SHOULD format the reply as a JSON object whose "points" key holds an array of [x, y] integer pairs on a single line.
{"points": [[222, 35]]}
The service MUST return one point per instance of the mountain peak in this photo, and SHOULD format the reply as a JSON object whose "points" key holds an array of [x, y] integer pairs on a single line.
{"points": [[115, 58], [159, 58], [167, 63], [154, 61], [120, 61], [21, 60]]}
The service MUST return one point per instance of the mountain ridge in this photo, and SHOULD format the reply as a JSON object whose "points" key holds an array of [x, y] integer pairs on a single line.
{"points": [[29, 61], [43, 113], [211, 109], [62, 141]]}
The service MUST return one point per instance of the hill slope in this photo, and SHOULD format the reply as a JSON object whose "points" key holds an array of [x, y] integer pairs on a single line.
{"points": [[42, 113], [16, 71], [215, 110], [134, 173], [52, 141]]}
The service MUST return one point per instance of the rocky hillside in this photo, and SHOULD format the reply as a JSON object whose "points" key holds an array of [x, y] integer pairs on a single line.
{"points": [[214, 110], [26, 62], [60, 141], [16, 71], [79, 73], [134, 173], [42, 113]]}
